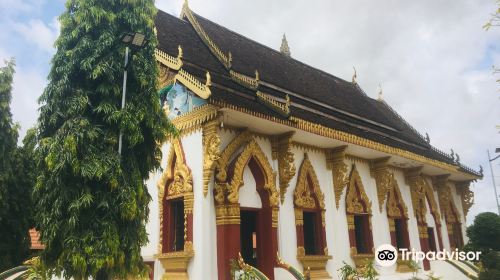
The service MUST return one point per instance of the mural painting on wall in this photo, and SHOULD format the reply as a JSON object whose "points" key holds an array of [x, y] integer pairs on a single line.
{"points": [[176, 99]]}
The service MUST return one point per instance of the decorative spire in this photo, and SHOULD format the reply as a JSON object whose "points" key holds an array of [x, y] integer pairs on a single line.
{"points": [[354, 76], [284, 49], [380, 93], [427, 138]]}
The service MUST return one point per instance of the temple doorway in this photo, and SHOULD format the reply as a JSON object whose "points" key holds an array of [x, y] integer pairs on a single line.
{"points": [[248, 236], [432, 239], [402, 239], [362, 233]]}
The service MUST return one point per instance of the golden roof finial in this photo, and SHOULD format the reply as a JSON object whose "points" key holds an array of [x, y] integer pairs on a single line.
{"points": [[380, 93], [180, 54], [257, 77], [285, 49], [354, 76]]}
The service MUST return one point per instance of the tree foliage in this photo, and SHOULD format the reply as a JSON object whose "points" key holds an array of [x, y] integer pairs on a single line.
{"points": [[16, 181], [92, 203], [484, 236]]}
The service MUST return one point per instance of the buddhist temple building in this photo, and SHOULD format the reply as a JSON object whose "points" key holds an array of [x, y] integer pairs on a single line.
{"points": [[275, 157]]}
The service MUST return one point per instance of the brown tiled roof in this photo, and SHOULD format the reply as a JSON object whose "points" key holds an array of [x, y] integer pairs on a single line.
{"points": [[35, 240], [316, 95]]}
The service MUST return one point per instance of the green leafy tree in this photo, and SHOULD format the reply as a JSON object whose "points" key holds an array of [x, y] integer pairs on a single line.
{"points": [[484, 236], [92, 203], [16, 181]]}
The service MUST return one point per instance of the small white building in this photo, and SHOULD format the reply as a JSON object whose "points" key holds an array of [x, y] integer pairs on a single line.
{"points": [[274, 156]]}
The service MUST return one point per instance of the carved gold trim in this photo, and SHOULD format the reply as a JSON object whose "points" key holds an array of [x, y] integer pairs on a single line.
{"points": [[196, 117], [283, 108], [282, 151], [221, 166], [227, 214], [315, 263], [176, 263], [466, 196], [180, 180], [448, 208], [335, 162], [302, 194], [253, 149], [171, 62], [396, 206], [383, 178], [191, 82], [244, 80], [353, 203], [345, 137], [360, 260], [211, 151], [223, 58]]}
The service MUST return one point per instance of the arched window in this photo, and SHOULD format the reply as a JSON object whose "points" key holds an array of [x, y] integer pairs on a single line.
{"points": [[397, 214], [175, 193], [358, 211], [309, 202]]}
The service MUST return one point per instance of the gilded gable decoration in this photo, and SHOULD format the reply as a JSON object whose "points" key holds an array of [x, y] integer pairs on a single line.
{"points": [[191, 82], [244, 80], [379, 170], [396, 207], [222, 163], [282, 151], [165, 77], [303, 197], [335, 162], [357, 201], [223, 58], [253, 150], [211, 151]]}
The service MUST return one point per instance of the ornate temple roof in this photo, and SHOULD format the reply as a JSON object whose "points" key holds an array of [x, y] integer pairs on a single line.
{"points": [[242, 69]]}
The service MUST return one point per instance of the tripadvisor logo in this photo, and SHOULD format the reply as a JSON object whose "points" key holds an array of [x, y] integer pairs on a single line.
{"points": [[386, 255]]}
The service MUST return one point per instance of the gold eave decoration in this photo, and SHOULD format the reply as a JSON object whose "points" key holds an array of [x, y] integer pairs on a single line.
{"points": [[244, 80], [379, 170], [223, 58], [274, 104], [321, 130], [335, 162], [196, 117], [282, 151], [174, 63], [200, 89]]}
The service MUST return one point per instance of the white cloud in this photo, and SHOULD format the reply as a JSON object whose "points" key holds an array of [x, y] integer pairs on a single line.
{"points": [[39, 33]]}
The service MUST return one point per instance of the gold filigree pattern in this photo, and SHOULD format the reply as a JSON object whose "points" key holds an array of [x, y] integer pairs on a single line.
{"points": [[211, 151], [177, 181], [466, 196], [252, 150], [196, 117], [448, 208], [174, 63], [417, 184], [379, 170], [221, 166], [396, 207], [346, 137], [335, 161], [303, 198], [282, 108], [282, 151], [357, 201], [191, 82]]}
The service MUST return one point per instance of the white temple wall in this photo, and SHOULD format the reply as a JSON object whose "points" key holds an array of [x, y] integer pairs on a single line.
{"points": [[457, 200]]}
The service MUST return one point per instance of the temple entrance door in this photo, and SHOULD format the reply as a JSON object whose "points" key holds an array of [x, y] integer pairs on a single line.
{"points": [[248, 236], [432, 239]]}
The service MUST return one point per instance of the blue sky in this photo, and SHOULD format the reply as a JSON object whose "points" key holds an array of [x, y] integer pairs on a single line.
{"points": [[432, 58]]}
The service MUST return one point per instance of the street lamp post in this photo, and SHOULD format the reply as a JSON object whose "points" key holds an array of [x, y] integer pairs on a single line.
{"points": [[134, 41], [493, 176]]}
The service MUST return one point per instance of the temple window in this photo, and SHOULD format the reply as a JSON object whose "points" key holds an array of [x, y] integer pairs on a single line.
{"points": [[358, 212], [177, 225], [309, 205], [397, 214], [432, 239]]}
